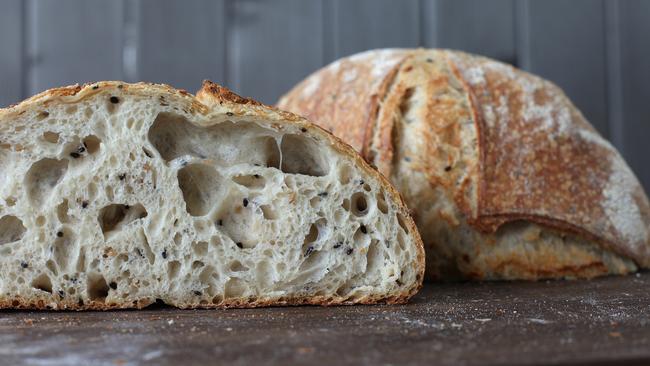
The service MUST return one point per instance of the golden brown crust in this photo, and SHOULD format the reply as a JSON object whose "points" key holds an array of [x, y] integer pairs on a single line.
{"points": [[242, 303], [538, 158], [345, 96], [541, 160], [212, 98]]}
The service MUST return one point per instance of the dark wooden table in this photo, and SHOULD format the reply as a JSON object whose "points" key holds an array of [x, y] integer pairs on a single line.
{"points": [[554, 322]]}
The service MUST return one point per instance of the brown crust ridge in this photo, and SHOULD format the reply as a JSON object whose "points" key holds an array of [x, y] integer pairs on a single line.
{"points": [[539, 160], [216, 99]]}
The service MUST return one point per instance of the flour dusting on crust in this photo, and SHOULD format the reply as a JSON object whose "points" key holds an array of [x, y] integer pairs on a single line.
{"points": [[621, 206]]}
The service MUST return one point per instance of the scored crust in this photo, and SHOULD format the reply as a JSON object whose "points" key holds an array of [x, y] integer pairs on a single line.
{"points": [[214, 99], [528, 155]]}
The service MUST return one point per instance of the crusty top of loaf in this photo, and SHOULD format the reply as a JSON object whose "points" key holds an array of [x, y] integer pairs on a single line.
{"points": [[539, 159]]}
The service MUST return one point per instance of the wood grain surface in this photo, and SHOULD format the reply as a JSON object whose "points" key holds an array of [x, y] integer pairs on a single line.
{"points": [[557, 322]]}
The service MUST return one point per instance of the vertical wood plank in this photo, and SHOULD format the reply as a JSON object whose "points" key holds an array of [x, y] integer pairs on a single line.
{"points": [[181, 43], [11, 57], [635, 85], [567, 46], [482, 27], [367, 24], [75, 42], [614, 74], [273, 45]]}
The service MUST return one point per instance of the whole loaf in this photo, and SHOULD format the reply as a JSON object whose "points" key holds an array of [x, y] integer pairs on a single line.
{"points": [[503, 175]]}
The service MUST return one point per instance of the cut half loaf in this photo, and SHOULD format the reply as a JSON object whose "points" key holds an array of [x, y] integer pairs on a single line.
{"points": [[504, 176], [118, 195]]}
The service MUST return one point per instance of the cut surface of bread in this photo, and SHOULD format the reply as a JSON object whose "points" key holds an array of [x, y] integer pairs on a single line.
{"points": [[119, 195], [503, 175]]}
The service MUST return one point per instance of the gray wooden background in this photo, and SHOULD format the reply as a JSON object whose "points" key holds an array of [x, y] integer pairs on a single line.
{"points": [[597, 50]]}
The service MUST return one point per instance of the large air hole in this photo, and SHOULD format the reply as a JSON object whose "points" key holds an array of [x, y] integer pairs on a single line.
{"points": [[225, 143], [51, 137], [236, 266], [173, 268], [361, 237], [269, 212], [310, 239], [374, 258], [200, 249], [199, 184], [77, 149], [381, 203], [63, 248], [92, 143], [251, 181], [11, 229], [42, 177], [146, 248], [301, 155], [43, 283], [359, 204], [402, 222], [234, 288], [114, 217], [62, 211], [97, 287]]}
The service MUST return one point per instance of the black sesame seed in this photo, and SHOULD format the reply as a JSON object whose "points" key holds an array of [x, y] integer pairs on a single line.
{"points": [[198, 293], [115, 100], [256, 176], [95, 87], [239, 245], [24, 264], [322, 194], [59, 234], [75, 155], [363, 229], [303, 129], [361, 182], [447, 168], [220, 222], [229, 114], [146, 152], [113, 285], [120, 86], [245, 202], [349, 251], [139, 252], [122, 176], [309, 250], [84, 204], [338, 245], [61, 293], [164, 254]]}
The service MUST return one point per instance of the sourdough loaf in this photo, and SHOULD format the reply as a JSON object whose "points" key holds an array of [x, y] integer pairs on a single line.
{"points": [[118, 195], [504, 176]]}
